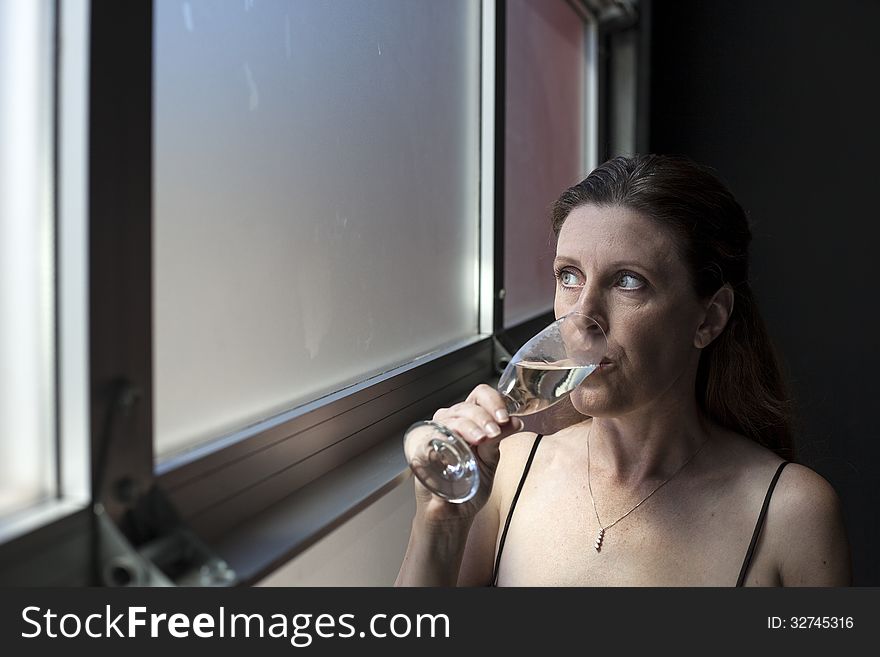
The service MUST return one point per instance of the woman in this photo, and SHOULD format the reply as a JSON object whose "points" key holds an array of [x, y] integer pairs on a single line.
{"points": [[677, 472]]}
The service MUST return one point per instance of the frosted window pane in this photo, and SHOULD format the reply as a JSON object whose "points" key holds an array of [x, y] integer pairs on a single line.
{"points": [[544, 147], [27, 295], [316, 200]]}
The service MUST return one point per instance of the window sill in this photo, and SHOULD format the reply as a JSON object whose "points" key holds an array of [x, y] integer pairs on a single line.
{"points": [[38, 516], [52, 547], [287, 528]]}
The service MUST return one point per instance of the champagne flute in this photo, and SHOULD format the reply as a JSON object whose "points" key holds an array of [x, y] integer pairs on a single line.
{"points": [[541, 373]]}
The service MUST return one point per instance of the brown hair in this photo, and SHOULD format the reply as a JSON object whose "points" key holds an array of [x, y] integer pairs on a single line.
{"points": [[739, 379]]}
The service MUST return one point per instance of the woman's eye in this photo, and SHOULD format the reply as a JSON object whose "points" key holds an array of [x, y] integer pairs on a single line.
{"points": [[567, 278], [629, 281]]}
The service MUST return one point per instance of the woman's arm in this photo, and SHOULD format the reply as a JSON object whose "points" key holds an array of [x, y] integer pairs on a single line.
{"points": [[451, 554], [812, 547], [441, 530], [434, 553]]}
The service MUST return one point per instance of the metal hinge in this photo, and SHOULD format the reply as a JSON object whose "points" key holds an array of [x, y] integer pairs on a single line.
{"points": [[172, 555]]}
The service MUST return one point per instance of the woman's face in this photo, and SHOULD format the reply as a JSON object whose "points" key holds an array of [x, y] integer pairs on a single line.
{"points": [[623, 269]]}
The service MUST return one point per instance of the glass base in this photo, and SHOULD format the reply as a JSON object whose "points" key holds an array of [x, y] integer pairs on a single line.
{"points": [[442, 461]]}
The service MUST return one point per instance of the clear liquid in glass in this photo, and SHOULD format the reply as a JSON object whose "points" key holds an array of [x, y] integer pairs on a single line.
{"points": [[536, 386]]}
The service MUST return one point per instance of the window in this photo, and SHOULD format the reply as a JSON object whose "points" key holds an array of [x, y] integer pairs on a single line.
{"points": [[318, 258], [267, 244], [316, 208], [549, 96], [27, 406], [43, 427]]}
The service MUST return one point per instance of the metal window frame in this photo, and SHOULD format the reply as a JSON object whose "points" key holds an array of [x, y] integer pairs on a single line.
{"points": [[64, 551], [120, 252], [613, 18], [51, 543], [35, 203]]}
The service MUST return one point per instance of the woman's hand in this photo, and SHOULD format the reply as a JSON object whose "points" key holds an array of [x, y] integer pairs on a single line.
{"points": [[482, 421]]}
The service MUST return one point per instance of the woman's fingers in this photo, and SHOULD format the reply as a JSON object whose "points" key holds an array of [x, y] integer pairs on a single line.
{"points": [[488, 398], [482, 417], [472, 432], [482, 422]]}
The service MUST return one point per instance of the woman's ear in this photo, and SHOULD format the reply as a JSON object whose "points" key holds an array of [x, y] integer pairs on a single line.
{"points": [[715, 317]]}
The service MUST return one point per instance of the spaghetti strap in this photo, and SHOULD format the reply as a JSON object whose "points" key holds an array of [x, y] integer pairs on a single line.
{"points": [[759, 526], [512, 506]]}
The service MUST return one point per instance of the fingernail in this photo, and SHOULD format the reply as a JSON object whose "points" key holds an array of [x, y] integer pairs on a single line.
{"points": [[476, 433], [501, 414], [492, 429]]}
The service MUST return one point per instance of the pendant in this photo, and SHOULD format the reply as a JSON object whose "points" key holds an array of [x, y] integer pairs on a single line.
{"points": [[599, 538]]}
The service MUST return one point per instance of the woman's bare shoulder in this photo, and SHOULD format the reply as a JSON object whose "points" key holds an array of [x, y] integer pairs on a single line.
{"points": [[477, 563], [515, 452], [808, 529], [735, 463], [804, 528], [755, 465], [517, 444]]}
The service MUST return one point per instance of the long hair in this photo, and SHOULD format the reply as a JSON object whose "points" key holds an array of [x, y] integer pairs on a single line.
{"points": [[739, 379]]}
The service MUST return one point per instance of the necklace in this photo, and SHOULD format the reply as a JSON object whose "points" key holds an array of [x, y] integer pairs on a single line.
{"points": [[602, 529]]}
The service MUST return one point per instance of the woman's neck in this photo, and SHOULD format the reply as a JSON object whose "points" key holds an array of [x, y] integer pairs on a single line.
{"points": [[649, 444]]}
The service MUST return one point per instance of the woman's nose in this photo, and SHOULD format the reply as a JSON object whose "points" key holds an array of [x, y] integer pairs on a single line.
{"points": [[584, 338], [591, 303]]}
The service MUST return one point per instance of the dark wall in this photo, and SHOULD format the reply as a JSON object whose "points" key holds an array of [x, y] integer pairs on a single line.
{"points": [[781, 98]]}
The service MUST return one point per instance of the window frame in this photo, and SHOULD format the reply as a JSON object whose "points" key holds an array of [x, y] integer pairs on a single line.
{"points": [[216, 487], [57, 530]]}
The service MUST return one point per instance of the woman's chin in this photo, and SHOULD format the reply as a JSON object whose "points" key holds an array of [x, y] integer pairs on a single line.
{"points": [[594, 403]]}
